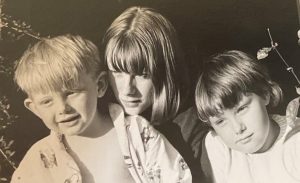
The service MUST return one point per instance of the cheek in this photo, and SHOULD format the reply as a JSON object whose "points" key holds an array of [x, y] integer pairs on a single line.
{"points": [[147, 88], [48, 118], [259, 120], [227, 136], [86, 103], [114, 83]]}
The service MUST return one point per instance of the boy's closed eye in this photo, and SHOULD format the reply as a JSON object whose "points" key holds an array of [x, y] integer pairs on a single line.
{"points": [[45, 101], [219, 122]]}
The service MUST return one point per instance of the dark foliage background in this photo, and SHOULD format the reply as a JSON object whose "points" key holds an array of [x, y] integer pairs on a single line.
{"points": [[204, 27]]}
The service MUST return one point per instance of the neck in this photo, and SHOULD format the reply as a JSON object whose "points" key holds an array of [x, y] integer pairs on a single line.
{"points": [[147, 113], [99, 127], [272, 136]]}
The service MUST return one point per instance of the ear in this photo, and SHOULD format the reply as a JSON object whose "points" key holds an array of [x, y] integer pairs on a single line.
{"points": [[102, 82], [267, 99], [28, 103]]}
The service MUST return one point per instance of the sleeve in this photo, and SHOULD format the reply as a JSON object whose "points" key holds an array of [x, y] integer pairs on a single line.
{"points": [[219, 156], [291, 156], [292, 111], [155, 154], [187, 135], [30, 168], [193, 130]]}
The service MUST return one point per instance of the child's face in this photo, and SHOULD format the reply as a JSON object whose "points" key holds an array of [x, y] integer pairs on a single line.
{"points": [[133, 92], [72, 111], [245, 127]]}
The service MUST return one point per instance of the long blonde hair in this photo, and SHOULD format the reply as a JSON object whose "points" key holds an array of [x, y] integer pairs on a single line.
{"points": [[142, 40]]}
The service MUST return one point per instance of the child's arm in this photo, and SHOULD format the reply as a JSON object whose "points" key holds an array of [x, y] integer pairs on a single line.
{"points": [[30, 169], [219, 157], [47, 162]]}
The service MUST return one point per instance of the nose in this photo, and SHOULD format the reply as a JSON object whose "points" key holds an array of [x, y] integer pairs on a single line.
{"points": [[129, 84], [62, 106], [238, 126]]}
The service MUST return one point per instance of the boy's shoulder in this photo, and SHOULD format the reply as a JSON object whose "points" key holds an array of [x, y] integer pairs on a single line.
{"points": [[43, 150], [31, 163], [46, 161], [42, 144]]}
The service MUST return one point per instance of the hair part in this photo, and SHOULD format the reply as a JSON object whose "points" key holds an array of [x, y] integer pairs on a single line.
{"points": [[227, 77], [142, 41], [53, 64]]}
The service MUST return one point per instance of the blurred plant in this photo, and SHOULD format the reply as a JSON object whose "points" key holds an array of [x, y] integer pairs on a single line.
{"points": [[6, 66], [6, 119], [264, 52], [12, 30], [17, 28]]}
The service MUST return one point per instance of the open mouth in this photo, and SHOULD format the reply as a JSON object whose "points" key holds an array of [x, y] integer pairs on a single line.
{"points": [[131, 103], [70, 119]]}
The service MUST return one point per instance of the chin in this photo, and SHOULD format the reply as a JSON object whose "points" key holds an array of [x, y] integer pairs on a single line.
{"points": [[132, 111], [254, 149], [72, 131]]}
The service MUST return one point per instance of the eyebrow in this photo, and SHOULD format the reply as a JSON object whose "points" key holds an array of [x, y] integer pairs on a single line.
{"points": [[245, 100]]}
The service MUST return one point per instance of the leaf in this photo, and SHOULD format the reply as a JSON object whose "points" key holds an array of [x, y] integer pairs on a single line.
{"points": [[298, 90], [10, 143], [3, 179], [263, 53]]}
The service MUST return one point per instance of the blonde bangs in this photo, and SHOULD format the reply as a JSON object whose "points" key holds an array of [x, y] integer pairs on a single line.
{"points": [[128, 55]]}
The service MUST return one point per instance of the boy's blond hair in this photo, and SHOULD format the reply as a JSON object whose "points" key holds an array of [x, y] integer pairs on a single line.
{"points": [[55, 64]]}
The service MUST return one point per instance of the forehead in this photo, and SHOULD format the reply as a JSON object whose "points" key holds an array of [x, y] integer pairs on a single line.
{"points": [[221, 110], [83, 81]]}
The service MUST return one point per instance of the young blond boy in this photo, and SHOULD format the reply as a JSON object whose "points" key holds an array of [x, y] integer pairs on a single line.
{"points": [[63, 78]]}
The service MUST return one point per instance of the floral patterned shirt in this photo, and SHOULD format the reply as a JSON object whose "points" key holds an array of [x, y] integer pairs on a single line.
{"points": [[148, 154]]}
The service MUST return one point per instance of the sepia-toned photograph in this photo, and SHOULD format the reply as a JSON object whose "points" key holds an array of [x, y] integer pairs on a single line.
{"points": [[149, 91]]}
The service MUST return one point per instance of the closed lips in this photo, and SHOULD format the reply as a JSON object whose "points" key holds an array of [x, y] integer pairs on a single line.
{"points": [[244, 138]]}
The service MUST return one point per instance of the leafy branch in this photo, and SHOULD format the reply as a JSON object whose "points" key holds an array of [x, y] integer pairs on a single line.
{"points": [[263, 53], [20, 28], [6, 119]]}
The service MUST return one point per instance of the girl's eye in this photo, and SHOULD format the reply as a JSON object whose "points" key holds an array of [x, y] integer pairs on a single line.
{"points": [[144, 76], [73, 92]]}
